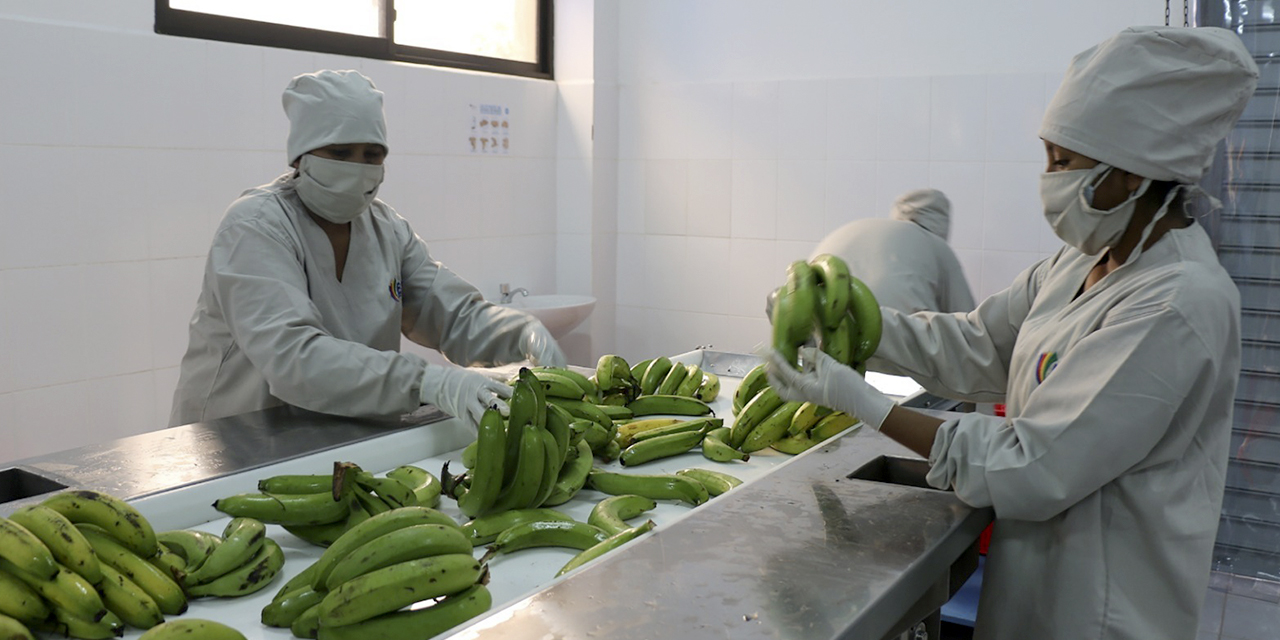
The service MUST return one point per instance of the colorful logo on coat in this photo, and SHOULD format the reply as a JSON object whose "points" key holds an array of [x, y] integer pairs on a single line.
{"points": [[1048, 362], [395, 290]]}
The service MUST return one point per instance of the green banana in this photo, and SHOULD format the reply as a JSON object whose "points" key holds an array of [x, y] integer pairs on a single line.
{"points": [[120, 520], [22, 548], [283, 508], [424, 485], [584, 410], [657, 486], [692, 381], [806, 416], [374, 527], [11, 629], [301, 579], [556, 385], [552, 462], [398, 585], [753, 383], [158, 584], [716, 449], [637, 369], [604, 373], [192, 629], [611, 514], [668, 405], [194, 547], [782, 318], [409, 543], [242, 540], [866, 316], [760, 407], [417, 624], [370, 502], [710, 388], [251, 577], [697, 424], [674, 378], [470, 452], [831, 425], [66, 591], [612, 542], [654, 374], [527, 479], [795, 311], [839, 342], [627, 431], [523, 407], [796, 444], [169, 562], [539, 396], [486, 480], [611, 451], [392, 491], [61, 537], [572, 535], [558, 421], [771, 429], [716, 483], [588, 387], [573, 475], [660, 447], [323, 535], [69, 625], [307, 625], [834, 274], [128, 601], [593, 434], [311, 483], [20, 601], [485, 529], [282, 611], [616, 412]]}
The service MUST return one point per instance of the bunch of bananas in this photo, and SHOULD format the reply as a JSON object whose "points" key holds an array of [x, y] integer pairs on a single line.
{"points": [[763, 419], [83, 564], [821, 298], [656, 438], [661, 376], [407, 573], [320, 507], [243, 560]]}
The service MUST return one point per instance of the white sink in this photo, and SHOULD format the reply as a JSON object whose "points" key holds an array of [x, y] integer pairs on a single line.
{"points": [[559, 313]]}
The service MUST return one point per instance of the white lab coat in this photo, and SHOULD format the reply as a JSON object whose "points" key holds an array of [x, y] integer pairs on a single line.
{"points": [[907, 267], [274, 325], [1107, 476]]}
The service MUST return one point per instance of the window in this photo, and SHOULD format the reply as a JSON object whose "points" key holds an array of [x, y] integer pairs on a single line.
{"points": [[500, 36]]}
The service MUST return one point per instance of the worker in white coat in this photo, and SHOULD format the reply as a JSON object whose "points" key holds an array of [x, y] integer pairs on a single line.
{"points": [[311, 281], [905, 259], [1117, 358]]}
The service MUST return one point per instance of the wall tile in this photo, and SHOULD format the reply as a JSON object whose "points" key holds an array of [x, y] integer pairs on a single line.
{"points": [[850, 193], [666, 197], [755, 120], [573, 263], [801, 199], [668, 284], [573, 195], [753, 273], [536, 118], [9, 375], [10, 432], [43, 209], [124, 403], [745, 334], [755, 193], [163, 383], [853, 118], [414, 187], [802, 119], [631, 194], [710, 120], [634, 333], [232, 82], [414, 112], [44, 422], [708, 261], [461, 199], [903, 119], [631, 112], [964, 183], [894, 179], [635, 281], [958, 118], [1015, 109], [117, 333], [174, 288], [180, 214], [44, 312], [999, 268], [497, 194], [53, 118], [574, 120], [1014, 213], [710, 197]]}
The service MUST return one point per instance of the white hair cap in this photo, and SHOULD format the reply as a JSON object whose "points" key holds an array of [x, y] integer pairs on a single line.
{"points": [[332, 107], [928, 208], [1153, 101]]}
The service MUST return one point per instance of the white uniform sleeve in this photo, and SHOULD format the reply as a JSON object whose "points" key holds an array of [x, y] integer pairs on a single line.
{"points": [[1100, 412], [443, 311], [262, 290], [958, 355]]}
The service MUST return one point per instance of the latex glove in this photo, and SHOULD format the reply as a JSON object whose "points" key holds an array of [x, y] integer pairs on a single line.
{"points": [[540, 348], [823, 380], [463, 393]]}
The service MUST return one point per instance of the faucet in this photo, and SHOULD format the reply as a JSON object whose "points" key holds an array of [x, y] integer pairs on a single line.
{"points": [[508, 293]]}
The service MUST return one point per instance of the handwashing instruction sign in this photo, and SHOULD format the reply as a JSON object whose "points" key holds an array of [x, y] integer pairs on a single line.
{"points": [[490, 132]]}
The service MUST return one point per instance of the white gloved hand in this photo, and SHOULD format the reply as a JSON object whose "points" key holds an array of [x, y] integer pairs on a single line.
{"points": [[463, 393], [823, 380], [540, 348]]}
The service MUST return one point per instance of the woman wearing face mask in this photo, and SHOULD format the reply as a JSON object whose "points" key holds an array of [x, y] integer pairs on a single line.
{"points": [[1117, 358], [311, 280]]}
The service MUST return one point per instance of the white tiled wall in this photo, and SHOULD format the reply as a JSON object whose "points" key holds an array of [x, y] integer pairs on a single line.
{"points": [[120, 150]]}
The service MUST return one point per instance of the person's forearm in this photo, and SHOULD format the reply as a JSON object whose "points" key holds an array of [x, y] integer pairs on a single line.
{"points": [[911, 429]]}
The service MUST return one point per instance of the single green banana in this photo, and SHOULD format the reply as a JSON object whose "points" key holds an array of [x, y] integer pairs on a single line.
{"points": [[584, 410], [410, 543], [470, 452], [604, 373], [487, 475], [485, 529], [638, 369], [323, 535], [61, 537], [523, 404], [866, 316], [593, 434], [128, 601], [782, 319], [710, 388], [697, 424], [242, 540], [374, 527], [656, 486], [19, 601], [417, 624], [120, 520], [283, 508], [556, 385], [691, 381], [796, 444], [540, 397], [622, 372], [771, 429], [616, 412], [760, 407], [831, 425], [69, 625], [192, 629], [612, 513], [716, 483], [12, 629], [424, 485], [552, 462], [307, 625], [668, 405], [66, 591], [654, 374], [573, 475], [802, 288], [753, 383], [369, 501], [282, 611], [252, 577], [839, 342], [571, 535], [588, 387], [834, 276], [22, 548], [398, 585], [527, 478], [558, 421], [628, 431], [674, 378], [194, 547], [310, 483], [169, 562], [158, 584], [716, 449], [612, 542], [660, 447], [806, 416], [392, 491], [611, 451], [301, 579]]}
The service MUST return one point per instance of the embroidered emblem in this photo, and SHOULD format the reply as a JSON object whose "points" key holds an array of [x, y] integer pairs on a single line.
{"points": [[1047, 363], [395, 290]]}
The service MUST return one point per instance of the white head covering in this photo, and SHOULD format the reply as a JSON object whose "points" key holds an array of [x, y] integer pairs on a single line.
{"points": [[332, 107], [928, 208], [1153, 101]]}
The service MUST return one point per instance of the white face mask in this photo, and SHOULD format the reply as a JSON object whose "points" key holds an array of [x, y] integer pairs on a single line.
{"points": [[1068, 206], [335, 190]]}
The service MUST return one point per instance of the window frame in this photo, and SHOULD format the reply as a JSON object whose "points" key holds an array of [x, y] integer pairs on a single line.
{"points": [[191, 24]]}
